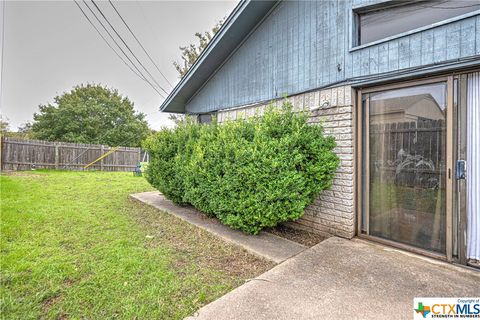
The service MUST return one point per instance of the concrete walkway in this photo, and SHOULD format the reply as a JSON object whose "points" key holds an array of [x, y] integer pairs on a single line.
{"points": [[344, 279], [265, 245]]}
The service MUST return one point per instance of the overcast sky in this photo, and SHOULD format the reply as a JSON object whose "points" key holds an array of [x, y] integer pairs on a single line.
{"points": [[50, 47]]}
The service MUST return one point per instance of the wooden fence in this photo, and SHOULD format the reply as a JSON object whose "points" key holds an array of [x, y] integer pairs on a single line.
{"points": [[18, 154], [409, 153]]}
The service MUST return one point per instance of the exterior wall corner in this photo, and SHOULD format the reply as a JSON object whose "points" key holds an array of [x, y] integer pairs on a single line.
{"points": [[333, 212]]}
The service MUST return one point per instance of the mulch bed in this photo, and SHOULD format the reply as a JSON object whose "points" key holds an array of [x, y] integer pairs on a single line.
{"points": [[308, 239]]}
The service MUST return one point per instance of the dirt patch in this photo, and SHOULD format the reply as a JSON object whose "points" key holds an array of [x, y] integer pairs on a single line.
{"points": [[28, 174], [50, 302], [194, 247], [304, 237]]}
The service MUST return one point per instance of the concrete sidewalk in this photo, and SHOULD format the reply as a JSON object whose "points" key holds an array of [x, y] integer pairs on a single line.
{"points": [[265, 245], [344, 279]]}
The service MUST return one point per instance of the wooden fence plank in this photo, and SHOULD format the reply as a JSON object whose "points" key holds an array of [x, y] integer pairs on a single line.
{"points": [[20, 154], [420, 143]]}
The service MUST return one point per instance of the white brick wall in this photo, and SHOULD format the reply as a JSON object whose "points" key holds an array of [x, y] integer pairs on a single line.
{"points": [[333, 212]]}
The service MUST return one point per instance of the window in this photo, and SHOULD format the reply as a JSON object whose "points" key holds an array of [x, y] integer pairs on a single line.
{"points": [[205, 118], [399, 17]]}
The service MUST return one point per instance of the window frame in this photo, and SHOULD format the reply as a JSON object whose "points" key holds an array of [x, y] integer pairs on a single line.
{"points": [[358, 10], [212, 117]]}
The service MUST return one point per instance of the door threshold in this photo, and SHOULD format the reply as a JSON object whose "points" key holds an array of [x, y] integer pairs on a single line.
{"points": [[405, 247], [473, 263], [420, 253]]}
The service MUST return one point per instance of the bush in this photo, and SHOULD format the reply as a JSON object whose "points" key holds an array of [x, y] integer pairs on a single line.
{"points": [[250, 174]]}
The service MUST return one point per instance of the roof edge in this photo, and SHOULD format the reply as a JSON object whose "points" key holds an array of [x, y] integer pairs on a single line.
{"points": [[216, 38]]}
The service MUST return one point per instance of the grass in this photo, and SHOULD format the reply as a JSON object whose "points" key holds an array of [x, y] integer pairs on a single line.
{"points": [[74, 246]]}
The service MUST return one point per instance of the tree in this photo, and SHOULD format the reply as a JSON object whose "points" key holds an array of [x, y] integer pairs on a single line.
{"points": [[23, 132], [191, 52], [177, 118], [91, 114], [25, 128], [4, 125]]}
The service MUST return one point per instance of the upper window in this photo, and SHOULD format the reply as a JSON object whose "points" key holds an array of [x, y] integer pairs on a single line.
{"points": [[400, 17]]}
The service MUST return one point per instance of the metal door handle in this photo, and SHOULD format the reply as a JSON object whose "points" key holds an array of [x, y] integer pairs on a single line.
{"points": [[461, 169]]}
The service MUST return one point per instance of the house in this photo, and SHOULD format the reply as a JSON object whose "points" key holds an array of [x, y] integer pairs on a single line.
{"points": [[398, 85], [405, 109]]}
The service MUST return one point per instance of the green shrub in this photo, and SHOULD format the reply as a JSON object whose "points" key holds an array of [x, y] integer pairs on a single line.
{"points": [[250, 174]]}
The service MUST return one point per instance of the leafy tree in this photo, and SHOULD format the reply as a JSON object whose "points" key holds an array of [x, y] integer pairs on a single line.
{"points": [[4, 125], [25, 128], [24, 131], [191, 52], [91, 114], [177, 118]]}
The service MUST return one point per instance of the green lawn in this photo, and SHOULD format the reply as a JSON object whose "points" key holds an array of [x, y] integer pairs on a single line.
{"points": [[74, 246]]}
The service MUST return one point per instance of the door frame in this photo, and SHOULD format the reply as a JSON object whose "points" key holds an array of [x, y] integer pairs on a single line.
{"points": [[361, 150], [461, 152]]}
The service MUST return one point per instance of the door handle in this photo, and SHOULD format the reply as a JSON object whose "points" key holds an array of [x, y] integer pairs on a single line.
{"points": [[461, 170]]}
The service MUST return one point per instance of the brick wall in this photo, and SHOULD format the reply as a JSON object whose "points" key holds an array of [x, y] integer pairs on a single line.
{"points": [[333, 212]]}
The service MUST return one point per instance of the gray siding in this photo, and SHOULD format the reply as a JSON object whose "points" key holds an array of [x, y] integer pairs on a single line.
{"points": [[299, 45]]}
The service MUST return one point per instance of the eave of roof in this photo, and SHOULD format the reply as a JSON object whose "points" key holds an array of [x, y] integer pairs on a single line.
{"points": [[246, 15]]}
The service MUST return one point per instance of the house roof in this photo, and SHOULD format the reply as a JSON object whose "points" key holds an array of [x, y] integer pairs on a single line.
{"points": [[246, 15], [420, 105], [402, 103]]}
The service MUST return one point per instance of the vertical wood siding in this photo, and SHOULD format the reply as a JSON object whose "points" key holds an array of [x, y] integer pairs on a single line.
{"points": [[299, 45]]}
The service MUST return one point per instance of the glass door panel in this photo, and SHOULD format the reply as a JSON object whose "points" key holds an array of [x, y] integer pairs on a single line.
{"points": [[405, 139]]}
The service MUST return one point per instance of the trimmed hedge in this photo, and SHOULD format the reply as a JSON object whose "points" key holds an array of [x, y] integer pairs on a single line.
{"points": [[250, 174]]}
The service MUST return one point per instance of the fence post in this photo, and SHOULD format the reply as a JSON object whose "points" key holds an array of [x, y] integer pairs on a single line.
{"points": [[16, 154], [2, 153], [57, 160], [101, 154]]}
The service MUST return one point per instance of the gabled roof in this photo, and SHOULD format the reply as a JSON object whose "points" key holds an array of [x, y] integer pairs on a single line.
{"points": [[246, 15]]}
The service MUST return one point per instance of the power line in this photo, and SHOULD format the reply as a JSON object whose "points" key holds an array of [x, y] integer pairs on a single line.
{"points": [[104, 39], [138, 41], [128, 47], [118, 45], [147, 22]]}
